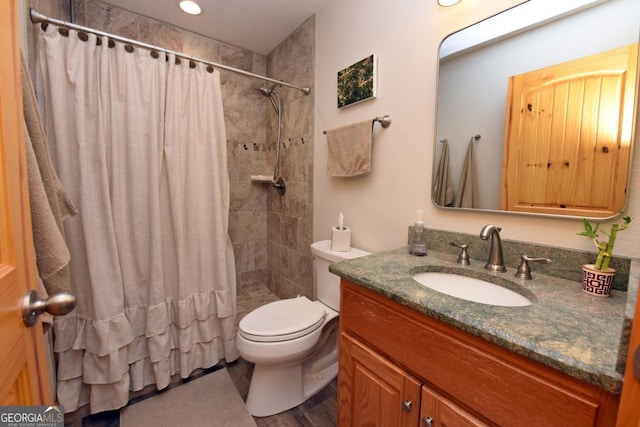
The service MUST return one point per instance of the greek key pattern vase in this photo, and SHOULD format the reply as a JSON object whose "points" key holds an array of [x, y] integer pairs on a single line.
{"points": [[597, 282]]}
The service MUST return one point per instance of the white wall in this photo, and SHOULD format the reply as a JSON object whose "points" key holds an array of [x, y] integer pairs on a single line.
{"points": [[405, 35]]}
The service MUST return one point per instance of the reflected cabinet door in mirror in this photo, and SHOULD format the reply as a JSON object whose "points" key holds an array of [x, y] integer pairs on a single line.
{"points": [[567, 140]]}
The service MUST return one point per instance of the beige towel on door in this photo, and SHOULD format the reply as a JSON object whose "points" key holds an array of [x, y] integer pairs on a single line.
{"points": [[442, 192], [467, 196], [50, 205], [349, 149]]}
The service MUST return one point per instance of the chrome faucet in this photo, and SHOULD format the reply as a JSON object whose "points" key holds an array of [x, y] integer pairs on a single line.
{"points": [[496, 258]]}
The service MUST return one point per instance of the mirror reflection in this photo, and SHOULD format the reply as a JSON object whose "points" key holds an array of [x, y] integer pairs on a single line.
{"points": [[523, 125]]}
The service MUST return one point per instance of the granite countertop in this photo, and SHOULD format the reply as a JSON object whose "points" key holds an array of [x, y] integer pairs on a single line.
{"points": [[564, 328]]}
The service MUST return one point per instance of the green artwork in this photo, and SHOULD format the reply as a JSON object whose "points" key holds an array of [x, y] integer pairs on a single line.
{"points": [[357, 82]]}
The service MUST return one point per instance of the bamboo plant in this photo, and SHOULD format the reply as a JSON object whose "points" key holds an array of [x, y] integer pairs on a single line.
{"points": [[605, 246]]}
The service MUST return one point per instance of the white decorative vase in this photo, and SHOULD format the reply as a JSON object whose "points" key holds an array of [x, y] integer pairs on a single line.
{"points": [[597, 282]]}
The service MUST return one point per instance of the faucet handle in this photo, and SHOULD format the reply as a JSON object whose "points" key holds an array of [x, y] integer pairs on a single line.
{"points": [[524, 271], [463, 257]]}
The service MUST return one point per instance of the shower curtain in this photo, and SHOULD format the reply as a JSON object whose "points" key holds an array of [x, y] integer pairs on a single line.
{"points": [[138, 140]]}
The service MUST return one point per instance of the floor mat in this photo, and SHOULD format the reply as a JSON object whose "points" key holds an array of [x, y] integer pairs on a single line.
{"points": [[211, 400]]}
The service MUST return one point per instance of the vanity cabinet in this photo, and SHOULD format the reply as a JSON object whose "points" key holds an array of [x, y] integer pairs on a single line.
{"points": [[438, 411], [399, 367], [375, 391]]}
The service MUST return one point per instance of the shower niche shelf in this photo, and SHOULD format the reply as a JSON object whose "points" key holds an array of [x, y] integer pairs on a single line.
{"points": [[279, 183]]}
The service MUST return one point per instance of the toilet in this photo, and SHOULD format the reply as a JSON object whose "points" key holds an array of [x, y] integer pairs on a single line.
{"points": [[294, 342]]}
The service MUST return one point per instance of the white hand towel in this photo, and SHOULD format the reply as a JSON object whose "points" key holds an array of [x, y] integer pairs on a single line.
{"points": [[349, 149]]}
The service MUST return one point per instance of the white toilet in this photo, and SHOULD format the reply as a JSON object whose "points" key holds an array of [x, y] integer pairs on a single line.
{"points": [[294, 342]]}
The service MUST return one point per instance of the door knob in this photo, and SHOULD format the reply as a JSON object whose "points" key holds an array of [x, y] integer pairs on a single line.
{"points": [[407, 405], [57, 305]]}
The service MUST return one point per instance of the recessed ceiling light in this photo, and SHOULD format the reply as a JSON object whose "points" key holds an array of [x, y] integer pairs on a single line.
{"points": [[190, 7], [448, 2]]}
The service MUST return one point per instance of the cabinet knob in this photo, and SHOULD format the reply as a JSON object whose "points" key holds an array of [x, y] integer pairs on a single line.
{"points": [[427, 422], [406, 406]]}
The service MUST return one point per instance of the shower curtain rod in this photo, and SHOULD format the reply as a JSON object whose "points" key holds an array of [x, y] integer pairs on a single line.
{"points": [[37, 18]]}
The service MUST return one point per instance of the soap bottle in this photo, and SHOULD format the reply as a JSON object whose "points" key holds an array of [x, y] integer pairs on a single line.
{"points": [[418, 247]]}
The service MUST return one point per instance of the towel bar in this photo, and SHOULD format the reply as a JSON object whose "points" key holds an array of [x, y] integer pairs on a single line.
{"points": [[385, 122], [476, 137]]}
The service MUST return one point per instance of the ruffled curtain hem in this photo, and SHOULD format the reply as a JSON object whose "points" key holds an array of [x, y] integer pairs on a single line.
{"points": [[100, 361], [74, 393]]}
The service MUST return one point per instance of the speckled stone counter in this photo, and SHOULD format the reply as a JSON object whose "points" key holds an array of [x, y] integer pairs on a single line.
{"points": [[565, 328]]}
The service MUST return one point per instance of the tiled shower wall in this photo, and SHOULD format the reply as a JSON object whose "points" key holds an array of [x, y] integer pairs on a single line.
{"points": [[290, 217], [270, 234]]}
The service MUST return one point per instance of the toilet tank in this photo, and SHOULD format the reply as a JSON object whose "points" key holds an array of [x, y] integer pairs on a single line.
{"points": [[326, 284]]}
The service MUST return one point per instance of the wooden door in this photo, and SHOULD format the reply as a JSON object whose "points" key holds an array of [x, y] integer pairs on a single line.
{"points": [[372, 391], [629, 410], [568, 136], [23, 377], [437, 411]]}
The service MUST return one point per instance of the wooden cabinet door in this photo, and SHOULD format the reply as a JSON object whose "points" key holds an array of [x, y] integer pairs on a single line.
{"points": [[23, 377], [437, 411], [372, 391], [568, 136]]}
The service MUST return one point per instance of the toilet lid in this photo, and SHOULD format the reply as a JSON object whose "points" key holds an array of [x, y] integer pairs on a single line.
{"points": [[282, 320]]}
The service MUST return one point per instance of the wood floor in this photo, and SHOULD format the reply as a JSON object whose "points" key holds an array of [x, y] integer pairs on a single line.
{"points": [[319, 411]]}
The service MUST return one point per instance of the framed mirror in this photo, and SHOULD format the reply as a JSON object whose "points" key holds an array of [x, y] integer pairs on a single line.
{"points": [[498, 149]]}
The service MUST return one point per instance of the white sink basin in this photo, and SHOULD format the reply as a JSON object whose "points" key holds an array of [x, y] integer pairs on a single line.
{"points": [[471, 289]]}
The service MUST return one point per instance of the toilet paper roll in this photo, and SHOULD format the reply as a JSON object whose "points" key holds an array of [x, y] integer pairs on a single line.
{"points": [[341, 239]]}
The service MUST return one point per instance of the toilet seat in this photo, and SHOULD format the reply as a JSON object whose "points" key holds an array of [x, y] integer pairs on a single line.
{"points": [[282, 320]]}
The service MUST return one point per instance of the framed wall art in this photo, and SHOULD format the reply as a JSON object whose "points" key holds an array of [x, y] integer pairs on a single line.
{"points": [[357, 82]]}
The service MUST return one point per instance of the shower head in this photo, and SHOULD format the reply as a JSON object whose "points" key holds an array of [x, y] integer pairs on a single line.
{"points": [[267, 91], [271, 93], [276, 102]]}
